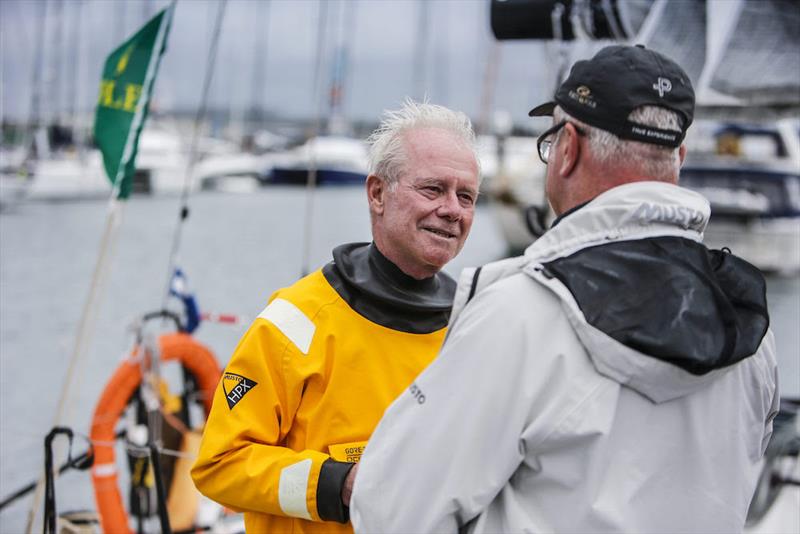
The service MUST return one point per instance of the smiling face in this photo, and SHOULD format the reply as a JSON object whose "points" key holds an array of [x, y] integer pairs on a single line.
{"points": [[421, 222]]}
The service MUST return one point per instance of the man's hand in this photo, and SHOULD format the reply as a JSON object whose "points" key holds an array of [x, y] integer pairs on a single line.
{"points": [[347, 489]]}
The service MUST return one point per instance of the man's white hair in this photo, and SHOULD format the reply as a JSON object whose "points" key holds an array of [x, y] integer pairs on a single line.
{"points": [[654, 161], [387, 155]]}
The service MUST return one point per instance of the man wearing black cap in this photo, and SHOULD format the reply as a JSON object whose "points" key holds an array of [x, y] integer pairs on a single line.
{"points": [[618, 377]]}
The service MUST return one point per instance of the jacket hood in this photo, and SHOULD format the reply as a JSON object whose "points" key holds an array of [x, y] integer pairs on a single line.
{"points": [[655, 309]]}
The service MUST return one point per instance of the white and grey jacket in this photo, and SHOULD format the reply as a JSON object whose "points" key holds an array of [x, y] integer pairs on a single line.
{"points": [[618, 377]]}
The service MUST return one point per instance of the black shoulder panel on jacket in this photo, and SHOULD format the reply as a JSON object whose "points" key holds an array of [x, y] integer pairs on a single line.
{"points": [[379, 291], [670, 298]]}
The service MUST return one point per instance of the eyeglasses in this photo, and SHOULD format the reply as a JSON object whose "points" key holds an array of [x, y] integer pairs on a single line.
{"points": [[545, 141]]}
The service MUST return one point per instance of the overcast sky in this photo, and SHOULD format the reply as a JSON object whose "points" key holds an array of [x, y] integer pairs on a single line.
{"points": [[277, 38]]}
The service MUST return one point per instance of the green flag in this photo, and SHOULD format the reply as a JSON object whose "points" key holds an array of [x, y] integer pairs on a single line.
{"points": [[128, 77]]}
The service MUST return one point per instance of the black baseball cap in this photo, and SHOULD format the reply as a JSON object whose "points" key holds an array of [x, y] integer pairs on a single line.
{"points": [[603, 91]]}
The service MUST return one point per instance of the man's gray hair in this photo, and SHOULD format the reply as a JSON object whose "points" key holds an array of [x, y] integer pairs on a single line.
{"points": [[654, 161], [387, 155]]}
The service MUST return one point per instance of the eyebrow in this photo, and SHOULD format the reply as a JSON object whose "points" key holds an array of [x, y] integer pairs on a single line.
{"points": [[427, 180]]}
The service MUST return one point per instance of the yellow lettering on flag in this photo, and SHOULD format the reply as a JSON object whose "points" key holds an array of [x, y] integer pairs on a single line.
{"points": [[106, 93], [122, 64], [126, 102], [132, 93]]}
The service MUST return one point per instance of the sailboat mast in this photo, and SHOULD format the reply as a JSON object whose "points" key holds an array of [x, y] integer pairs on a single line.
{"points": [[35, 113], [311, 181], [80, 112], [72, 51], [55, 79], [420, 82], [257, 85], [345, 29], [441, 64]]}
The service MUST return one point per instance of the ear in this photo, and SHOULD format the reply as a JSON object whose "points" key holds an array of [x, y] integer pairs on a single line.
{"points": [[570, 147], [682, 154], [376, 190]]}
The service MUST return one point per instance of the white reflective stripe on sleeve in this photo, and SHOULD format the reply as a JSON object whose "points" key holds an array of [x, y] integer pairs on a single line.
{"points": [[292, 322], [292, 489], [104, 470]]}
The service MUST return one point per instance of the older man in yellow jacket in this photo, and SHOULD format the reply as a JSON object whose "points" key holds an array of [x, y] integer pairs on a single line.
{"points": [[313, 375]]}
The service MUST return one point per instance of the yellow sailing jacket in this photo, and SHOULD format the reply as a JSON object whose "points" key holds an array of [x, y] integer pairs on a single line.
{"points": [[308, 383]]}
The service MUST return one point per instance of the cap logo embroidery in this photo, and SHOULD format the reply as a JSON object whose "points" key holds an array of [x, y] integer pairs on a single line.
{"points": [[583, 95], [663, 86]]}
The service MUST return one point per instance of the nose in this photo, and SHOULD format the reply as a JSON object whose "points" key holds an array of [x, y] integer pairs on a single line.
{"points": [[450, 208]]}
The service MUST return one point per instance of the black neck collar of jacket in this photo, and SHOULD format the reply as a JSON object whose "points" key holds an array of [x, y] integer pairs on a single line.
{"points": [[378, 290]]}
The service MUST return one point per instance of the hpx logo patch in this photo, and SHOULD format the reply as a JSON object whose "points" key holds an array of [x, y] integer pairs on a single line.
{"points": [[235, 387]]}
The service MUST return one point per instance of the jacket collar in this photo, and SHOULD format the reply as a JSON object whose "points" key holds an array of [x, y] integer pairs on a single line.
{"points": [[630, 211]]}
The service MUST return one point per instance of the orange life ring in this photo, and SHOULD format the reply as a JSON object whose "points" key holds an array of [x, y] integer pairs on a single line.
{"points": [[180, 347]]}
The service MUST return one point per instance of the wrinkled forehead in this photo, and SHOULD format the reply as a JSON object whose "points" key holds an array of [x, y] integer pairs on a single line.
{"points": [[435, 152]]}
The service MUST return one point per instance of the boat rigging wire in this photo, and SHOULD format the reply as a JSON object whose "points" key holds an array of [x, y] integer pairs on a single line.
{"points": [[198, 119]]}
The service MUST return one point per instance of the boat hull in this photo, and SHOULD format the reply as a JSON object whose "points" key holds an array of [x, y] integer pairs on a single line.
{"points": [[325, 177]]}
